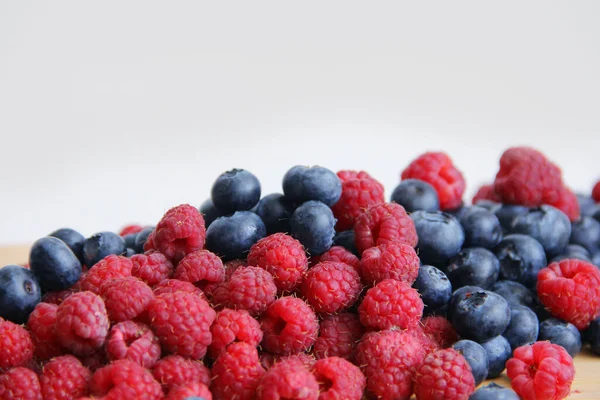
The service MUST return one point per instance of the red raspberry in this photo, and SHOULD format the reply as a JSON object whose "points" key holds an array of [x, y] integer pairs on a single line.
{"points": [[444, 374], [95, 360], [182, 323], [124, 379], [152, 268], [567, 202], [338, 254], [82, 323], [132, 341], [486, 192], [357, 195], [180, 232], [129, 229], [41, 327], [16, 346], [391, 304], [288, 380], [20, 384], [237, 372], [110, 267], [347, 175], [382, 224], [174, 285], [388, 360], [440, 330], [126, 298], [267, 360], [290, 326], [426, 341], [252, 289], [339, 379], [232, 266], [541, 371], [192, 389], [200, 268], [438, 170], [331, 286], [570, 289], [57, 297], [338, 335], [234, 326], [173, 371], [397, 261], [283, 257], [596, 192], [64, 378]]}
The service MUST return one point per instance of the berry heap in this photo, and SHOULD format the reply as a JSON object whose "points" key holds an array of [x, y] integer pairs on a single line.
{"points": [[323, 291]]}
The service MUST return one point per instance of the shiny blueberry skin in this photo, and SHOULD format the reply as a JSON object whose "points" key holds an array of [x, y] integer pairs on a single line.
{"points": [[433, 286], [346, 240], [514, 293], [481, 226], [498, 351], [586, 233], [523, 328], [459, 295], [73, 239], [592, 336], [415, 195], [440, 236], [473, 266], [475, 356], [235, 190], [100, 245], [231, 237], [129, 252], [275, 211], [313, 225], [301, 184], [493, 391], [573, 251], [130, 240], [596, 259], [562, 333], [20, 292], [521, 258], [209, 212], [546, 224], [596, 213], [488, 205], [141, 238], [54, 264], [587, 205], [508, 212]]}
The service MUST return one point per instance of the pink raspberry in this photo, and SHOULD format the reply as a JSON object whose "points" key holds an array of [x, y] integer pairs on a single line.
{"points": [[397, 261], [41, 328], [132, 341], [486, 192], [596, 192], [339, 378], [338, 254], [57, 297], [200, 268], [347, 175], [130, 229], [124, 379], [288, 380], [338, 335], [357, 195], [391, 304], [444, 374], [234, 326], [64, 378], [426, 341], [331, 286], [110, 267], [252, 289], [20, 384], [189, 390], [237, 372], [152, 268], [175, 285], [567, 202], [440, 330], [173, 371], [126, 298]]}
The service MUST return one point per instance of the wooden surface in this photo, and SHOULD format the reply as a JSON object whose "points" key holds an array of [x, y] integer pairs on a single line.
{"points": [[587, 377]]}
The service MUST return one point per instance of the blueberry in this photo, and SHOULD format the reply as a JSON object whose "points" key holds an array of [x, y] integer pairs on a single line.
{"points": [[481, 226], [474, 266], [440, 236], [459, 295], [587, 205], [546, 224], [508, 212], [130, 240], [493, 391], [141, 238], [130, 252], [209, 212], [475, 356], [521, 258], [498, 352], [433, 286], [415, 195], [313, 225], [592, 336], [480, 315], [20, 292], [100, 245], [561, 333], [574, 251], [54, 264], [301, 184], [596, 213], [235, 190], [231, 237], [596, 259], [514, 293], [73, 239], [346, 240], [275, 211], [586, 232], [523, 328], [488, 205]]}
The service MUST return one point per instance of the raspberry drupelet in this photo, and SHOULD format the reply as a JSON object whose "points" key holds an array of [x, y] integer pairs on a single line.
{"points": [[331, 287]]}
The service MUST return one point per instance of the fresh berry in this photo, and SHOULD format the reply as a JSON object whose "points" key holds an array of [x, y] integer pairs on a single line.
{"points": [[142, 238], [200, 267], [192, 390], [57, 297], [498, 351], [129, 229], [209, 212], [126, 298], [331, 286], [474, 266], [397, 261], [251, 289], [64, 378], [586, 233], [16, 346], [130, 241], [444, 374], [523, 327], [340, 254], [301, 184], [235, 190], [562, 333], [348, 174], [100, 245], [94, 361], [507, 212], [338, 335], [73, 239], [592, 336], [275, 211], [20, 384], [548, 225], [232, 236], [339, 379], [521, 258], [174, 285], [391, 304], [312, 223], [566, 202], [587, 205], [237, 372], [427, 342], [481, 227], [415, 195], [152, 268], [111, 267], [19, 293], [574, 251], [486, 193], [514, 293], [476, 356], [288, 379], [433, 286], [133, 341], [41, 327], [125, 379], [493, 391], [440, 330], [357, 195], [173, 371], [346, 240], [234, 326], [440, 236]]}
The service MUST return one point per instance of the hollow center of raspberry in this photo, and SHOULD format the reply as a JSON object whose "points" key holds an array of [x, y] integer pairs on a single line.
{"points": [[279, 326], [532, 370], [325, 384]]}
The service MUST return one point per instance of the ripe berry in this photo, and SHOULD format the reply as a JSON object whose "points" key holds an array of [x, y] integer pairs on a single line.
{"points": [[523, 327], [338, 378], [476, 356], [20, 384], [288, 379], [415, 195], [433, 286], [440, 330], [389, 261], [301, 184], [19, 293], [514, 293], [232, 236], [126, 298], [64, 377], [152, 268], [561, 333], [357, 195], [209, 212], [346, 240], [486, 193], [507, 212], [237, 372], [235, 190], [548, 225], [190, 391], [275, 211], [132, 341], [54, 264], [493, 391], [312, 223], [252, 289], [124, 379], [474, 266], [173, 371], [73, 239], [100, 245], [41, 328], [201, 268], [338, 335], [440, 236], [521, 258], [111, 267], [331, 286], [481, 227], [586, 232], [391, 304], [498, 351], [142, 238], [16, 347], [234, 326], [444, 374]]}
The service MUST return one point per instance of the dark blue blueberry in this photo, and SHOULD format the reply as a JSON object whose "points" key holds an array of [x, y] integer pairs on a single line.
{"points": [[521, 258], [523, 328], [514, 293], [546, 224], [346, 240], [586, 232], [587, 205], [475, 356], [275, 211], [54, 264], [73, 239], [130, 240], [473, 266], [574, 251], [194, 398], [313, 225], [493, 391], [459, 295], [481, 226], [592, 336], [231, 237], [433, 286], [209, 212], [596, 259], [235, 190], [415, 195], [440, 236], [561, 333], [508, 212], [596, 213], [301, 184], [100, 245], [141, 238], [488, 205], [130, 252], [498, 352], [20, 292]]}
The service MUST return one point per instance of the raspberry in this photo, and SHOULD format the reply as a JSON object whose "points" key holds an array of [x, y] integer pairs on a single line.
{"points": [[132, 341], [125, 379], [290, 326], [382, 224], [338, 378], [174, 285], [82, 323], [444, 374], [20, 384], [126, 298], [95, 360], [16, 346], [129, 229], [541, 371], [347, 175], [357, 195], [237, 372], [338, 335], [288, 380], [110, 267], [252, 289], [397, 261], [426, 341], [331, 286], [338, 254], [189, 390], [64, 378], [182, 323], [390, 304], [267, 360], [234, 326], [438, 170], [152, 268], [570, 289], [232, 266], [596, 192], [486, 192], [200, 268], [440, 330], [41, 328], [57, 297], [180, 232], [173, 371], [283, 257], [567, 202]]}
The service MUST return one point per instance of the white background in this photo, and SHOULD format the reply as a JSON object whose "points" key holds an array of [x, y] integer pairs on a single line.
{"points": [[111, 112]]}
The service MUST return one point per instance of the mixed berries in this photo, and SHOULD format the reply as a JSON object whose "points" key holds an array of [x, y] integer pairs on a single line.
{"points": [[324, 291]]}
